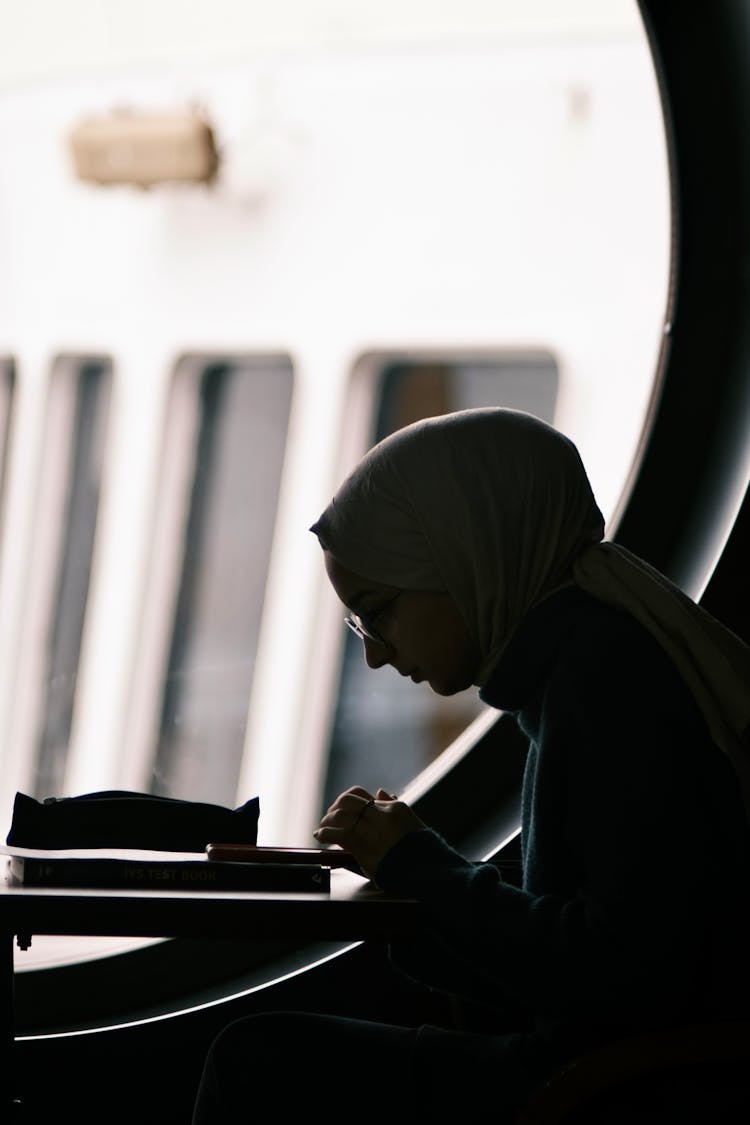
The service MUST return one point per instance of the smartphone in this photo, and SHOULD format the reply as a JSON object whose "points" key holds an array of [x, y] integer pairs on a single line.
{"points": [[254, 853]]}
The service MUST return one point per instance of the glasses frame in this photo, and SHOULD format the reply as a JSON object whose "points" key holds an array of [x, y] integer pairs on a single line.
{"points": [[362, 625]]}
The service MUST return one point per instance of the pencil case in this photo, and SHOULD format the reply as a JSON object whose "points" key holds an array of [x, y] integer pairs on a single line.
{"points": [[119, 818]]}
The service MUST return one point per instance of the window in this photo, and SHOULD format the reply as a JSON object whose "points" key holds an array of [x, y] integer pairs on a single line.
{"points": [[209, 503], [225, 436], [473, 201], [377, 711], [7, 389], [55, 586]]}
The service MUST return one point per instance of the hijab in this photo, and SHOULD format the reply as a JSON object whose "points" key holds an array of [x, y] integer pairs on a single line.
{"points": [[494, 506]]}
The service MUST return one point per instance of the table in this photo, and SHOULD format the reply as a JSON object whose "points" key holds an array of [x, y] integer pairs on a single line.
{"points": [[354, 909]]}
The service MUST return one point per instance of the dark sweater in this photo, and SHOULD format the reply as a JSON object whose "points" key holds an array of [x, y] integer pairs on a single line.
{"points": [[636, 852]]}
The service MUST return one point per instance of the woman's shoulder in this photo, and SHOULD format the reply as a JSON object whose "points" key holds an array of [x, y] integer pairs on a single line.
{"points": [[597, 644], [580, 649], [611, 675]]}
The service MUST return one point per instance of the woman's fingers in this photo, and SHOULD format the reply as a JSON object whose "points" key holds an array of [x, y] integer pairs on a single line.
{"points": [[351, 800], [365, 825], [356, 791], [344, 814]]}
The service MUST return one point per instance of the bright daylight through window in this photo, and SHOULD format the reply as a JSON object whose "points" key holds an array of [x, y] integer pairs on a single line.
{"points": [[296, 226]]}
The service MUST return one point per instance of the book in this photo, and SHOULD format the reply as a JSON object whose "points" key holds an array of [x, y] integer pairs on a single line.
{"points": [[259, 853], [160, 871]]}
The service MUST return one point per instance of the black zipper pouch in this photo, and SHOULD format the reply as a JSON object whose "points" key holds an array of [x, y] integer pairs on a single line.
{"points": [[118, 818]]}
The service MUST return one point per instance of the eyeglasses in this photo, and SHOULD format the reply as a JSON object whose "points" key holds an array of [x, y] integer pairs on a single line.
{"points": [[364, 626]]}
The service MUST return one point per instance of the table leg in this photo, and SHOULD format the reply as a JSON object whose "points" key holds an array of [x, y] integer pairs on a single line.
{"points": [[10, 1106]]}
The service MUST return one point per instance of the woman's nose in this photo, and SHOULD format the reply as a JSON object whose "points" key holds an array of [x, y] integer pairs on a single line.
{"points": [[376, 655]]}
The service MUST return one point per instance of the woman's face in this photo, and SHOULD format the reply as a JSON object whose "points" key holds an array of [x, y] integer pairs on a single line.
{"points": [[423, 634]]}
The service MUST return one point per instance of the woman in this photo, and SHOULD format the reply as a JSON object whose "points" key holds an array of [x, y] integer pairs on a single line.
{"points": [[468, 551]]}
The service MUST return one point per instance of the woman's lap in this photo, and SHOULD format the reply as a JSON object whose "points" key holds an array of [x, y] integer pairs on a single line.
{"points": [[305, 1062]]}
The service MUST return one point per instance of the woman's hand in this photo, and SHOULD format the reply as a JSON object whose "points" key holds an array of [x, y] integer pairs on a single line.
{"points": [[366, 826]]}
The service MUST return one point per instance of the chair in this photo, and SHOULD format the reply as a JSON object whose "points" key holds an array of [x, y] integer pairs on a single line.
{"points": [[692, 1075]]}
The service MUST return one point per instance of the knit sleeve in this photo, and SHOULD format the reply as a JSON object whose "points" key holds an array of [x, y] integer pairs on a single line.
{"points": [[620, 893]]}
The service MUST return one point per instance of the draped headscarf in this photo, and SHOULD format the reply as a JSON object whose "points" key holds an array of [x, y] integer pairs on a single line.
{"points": [[494, 506]]}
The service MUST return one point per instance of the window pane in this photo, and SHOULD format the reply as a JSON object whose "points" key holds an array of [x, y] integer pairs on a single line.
{"points": [[7, 388], [379, 711], [74, 453], [240, 435]]}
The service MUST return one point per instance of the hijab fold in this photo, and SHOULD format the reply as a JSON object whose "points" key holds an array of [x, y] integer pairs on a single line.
{"points": [[495, 507]]}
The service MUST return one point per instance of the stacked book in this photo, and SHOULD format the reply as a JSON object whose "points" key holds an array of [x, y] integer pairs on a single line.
{"points": [[220, 868]]}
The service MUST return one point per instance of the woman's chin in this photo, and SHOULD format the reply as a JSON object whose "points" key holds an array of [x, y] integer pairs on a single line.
{"points": [[443, 687]]}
